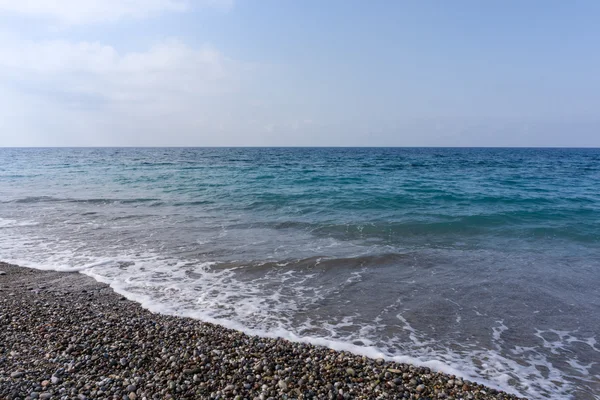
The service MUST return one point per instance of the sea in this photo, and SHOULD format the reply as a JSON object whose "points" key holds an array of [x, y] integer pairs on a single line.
{"points": [[479, 262]]}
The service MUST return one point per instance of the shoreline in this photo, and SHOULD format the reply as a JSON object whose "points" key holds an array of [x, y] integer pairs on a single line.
{"points": [[66, 336]]}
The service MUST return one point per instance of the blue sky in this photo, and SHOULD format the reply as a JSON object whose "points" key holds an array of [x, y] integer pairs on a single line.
{"points": [[299, 73]]}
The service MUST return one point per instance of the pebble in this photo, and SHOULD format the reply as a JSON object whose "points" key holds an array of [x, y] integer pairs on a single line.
{"points": [[282, 385]]}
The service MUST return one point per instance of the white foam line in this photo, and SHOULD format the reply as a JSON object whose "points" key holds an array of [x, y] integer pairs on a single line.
{"points": [[57, 268], [368, 351]]}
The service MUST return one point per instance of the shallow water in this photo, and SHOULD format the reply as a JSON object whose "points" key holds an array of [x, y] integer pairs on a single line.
{"points": [[480, 262]]}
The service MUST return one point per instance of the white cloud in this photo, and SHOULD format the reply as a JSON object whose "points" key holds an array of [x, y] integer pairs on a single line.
{"points": [[97, 69], [74, 12]]}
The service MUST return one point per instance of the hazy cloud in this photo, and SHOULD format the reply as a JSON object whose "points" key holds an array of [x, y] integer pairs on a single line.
{"points": [[168, 85]]}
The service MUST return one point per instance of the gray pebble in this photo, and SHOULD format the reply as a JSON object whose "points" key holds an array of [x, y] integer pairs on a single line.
{"points": [[282, 385]]}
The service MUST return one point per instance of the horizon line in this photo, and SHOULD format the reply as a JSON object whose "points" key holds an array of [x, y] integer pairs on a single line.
{"points": [[299, 147]]}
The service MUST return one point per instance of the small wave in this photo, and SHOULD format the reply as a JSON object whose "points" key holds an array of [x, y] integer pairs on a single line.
{"points": [[34, 199], [157, 164], [13, 223], [50, 199], [193, 203]]}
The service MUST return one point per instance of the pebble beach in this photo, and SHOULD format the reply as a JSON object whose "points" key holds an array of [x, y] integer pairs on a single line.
{"points": [[66, 336]]}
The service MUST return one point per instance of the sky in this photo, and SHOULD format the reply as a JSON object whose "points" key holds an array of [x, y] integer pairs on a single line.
{"points": [[299, 73]]}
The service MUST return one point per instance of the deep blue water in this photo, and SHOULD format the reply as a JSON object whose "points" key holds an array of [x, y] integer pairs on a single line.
{"points": [[482, 262]]}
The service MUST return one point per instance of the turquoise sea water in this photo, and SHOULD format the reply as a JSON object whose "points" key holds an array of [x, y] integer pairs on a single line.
{"points": [[481, 262]]}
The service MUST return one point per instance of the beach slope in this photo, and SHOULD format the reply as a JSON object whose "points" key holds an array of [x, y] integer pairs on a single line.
{"points": [[66, 336]]}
